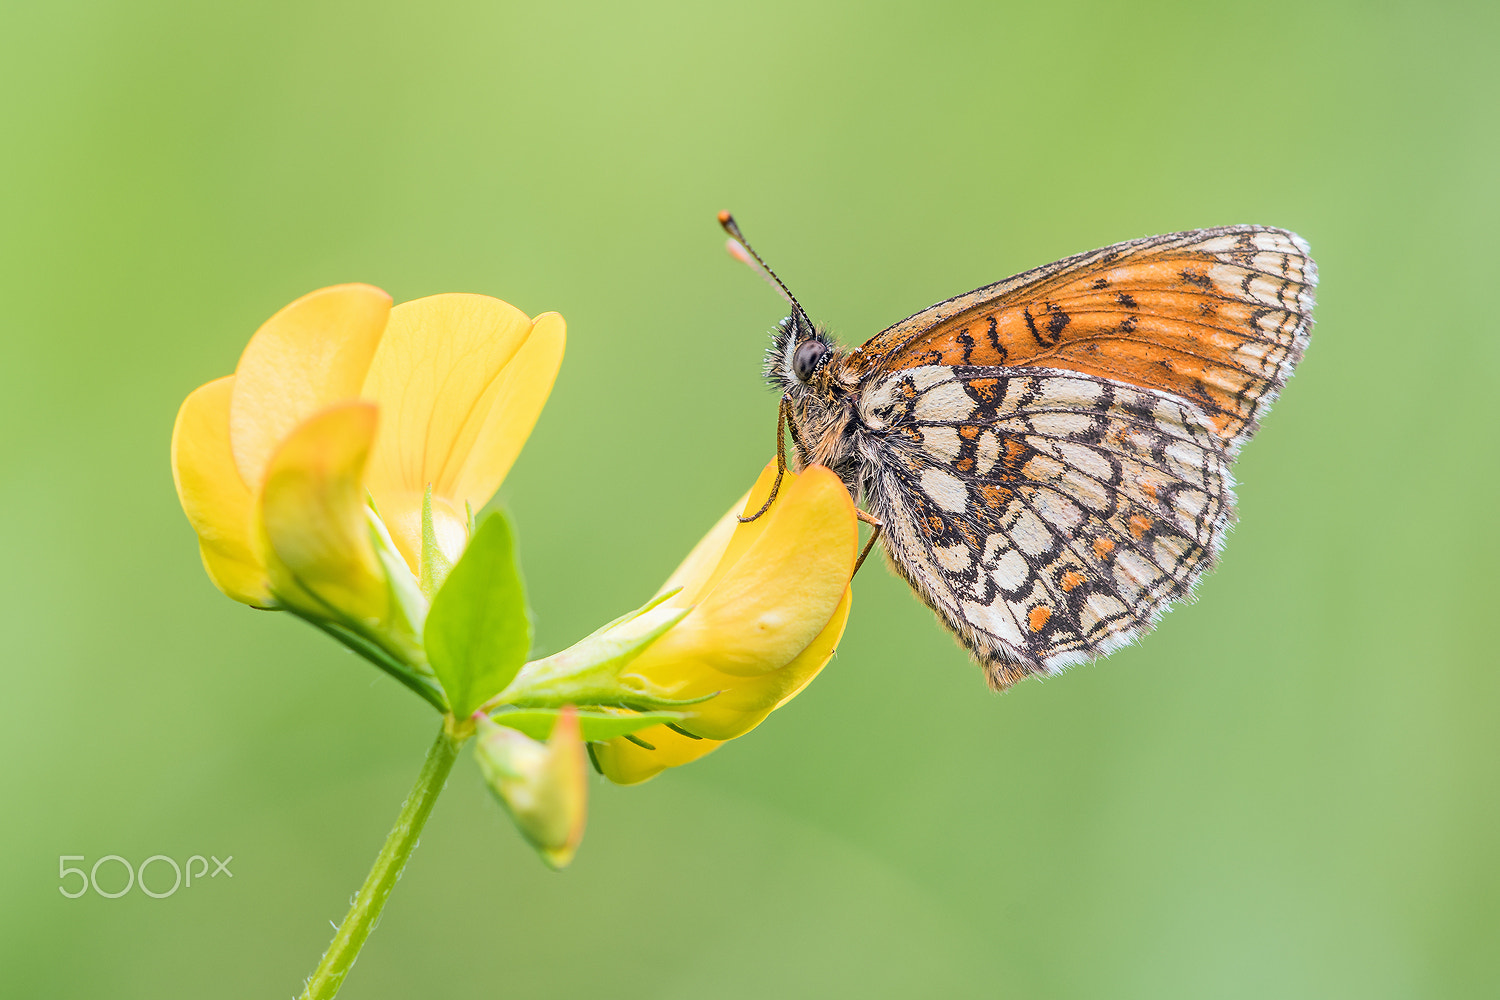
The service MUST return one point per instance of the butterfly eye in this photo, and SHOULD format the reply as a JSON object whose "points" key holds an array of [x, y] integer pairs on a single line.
{"points": [[805, 361]]}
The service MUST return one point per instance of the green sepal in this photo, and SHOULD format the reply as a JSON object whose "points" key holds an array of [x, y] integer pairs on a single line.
{"points": [[538, 722], [392, 641], [478, 631], [408, 605], [435, 565], [650, 605], [588, 672]]}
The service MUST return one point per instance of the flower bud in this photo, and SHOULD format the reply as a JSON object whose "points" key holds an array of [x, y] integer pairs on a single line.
{"points": [[544, 786]]}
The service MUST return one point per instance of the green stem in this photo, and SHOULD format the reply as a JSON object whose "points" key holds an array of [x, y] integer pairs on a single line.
{"points": [[361, 918], [383, 658]]}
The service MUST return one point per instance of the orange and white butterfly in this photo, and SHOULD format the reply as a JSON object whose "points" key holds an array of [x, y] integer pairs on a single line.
{"points": [[1047, 458]]}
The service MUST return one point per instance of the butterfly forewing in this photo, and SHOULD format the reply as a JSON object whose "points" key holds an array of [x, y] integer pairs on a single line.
{"points": [[1217, 316], [1047, 515]]}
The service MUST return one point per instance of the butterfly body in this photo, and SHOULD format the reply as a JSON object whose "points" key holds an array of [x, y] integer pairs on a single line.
{"points": [[1049, 456]]}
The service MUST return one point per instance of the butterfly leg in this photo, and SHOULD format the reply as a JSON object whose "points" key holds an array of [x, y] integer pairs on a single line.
{"points": [[783, 418], [875, 523]]}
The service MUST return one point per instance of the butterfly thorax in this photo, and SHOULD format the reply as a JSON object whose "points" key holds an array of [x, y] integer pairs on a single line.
{"points": [[825, 429]]}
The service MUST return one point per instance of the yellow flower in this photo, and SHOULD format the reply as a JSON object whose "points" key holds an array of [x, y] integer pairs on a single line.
{"points": [[339, 402], [769, 603]]}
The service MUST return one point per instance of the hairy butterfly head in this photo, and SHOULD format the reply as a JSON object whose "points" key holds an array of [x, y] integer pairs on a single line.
{"points": [[797, 355]]}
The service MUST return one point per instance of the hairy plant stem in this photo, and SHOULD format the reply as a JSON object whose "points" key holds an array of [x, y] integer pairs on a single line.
{"points": [[360, 920]]}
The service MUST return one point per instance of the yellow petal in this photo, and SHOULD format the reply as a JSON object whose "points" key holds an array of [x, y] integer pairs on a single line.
{"points": [[800, 672], [217, 502], [625, 763], [710, 557], [511, 407], [745, 702], [460, 380], [774, 600], [747, 533], [311, 354], [312, 515]]}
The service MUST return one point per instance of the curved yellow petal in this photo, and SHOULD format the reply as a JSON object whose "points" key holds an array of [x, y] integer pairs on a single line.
{"points": [[315, 531], [774, 600], [745, 702], [725, 542], [747, 705], [700, 563], [511, 407], [217, 502], [626, 763], [460, 384], [311, 354], [801, 671]]}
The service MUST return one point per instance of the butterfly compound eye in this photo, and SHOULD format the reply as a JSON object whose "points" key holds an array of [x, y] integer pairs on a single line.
{"points": [[805, 360]]}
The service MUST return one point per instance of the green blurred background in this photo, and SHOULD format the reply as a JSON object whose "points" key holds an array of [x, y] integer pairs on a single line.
{"points": [[1289, 790]]}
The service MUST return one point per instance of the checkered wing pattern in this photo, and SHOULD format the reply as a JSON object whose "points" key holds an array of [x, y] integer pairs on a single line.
{"points": [[1048, 516]]}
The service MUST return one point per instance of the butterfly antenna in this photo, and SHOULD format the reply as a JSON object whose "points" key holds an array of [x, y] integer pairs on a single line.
{"points": [[741, 249]]}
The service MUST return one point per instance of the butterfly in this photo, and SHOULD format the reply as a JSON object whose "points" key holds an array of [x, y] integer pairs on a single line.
{"points": [[1047, 459]]}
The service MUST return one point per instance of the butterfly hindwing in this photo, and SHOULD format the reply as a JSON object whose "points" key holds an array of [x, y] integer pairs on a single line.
{"points": [[1047, 515], [1217, 316]]}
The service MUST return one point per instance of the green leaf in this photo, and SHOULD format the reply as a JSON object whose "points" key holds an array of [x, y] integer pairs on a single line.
{"points": [[478, 631], [537, 722]]}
